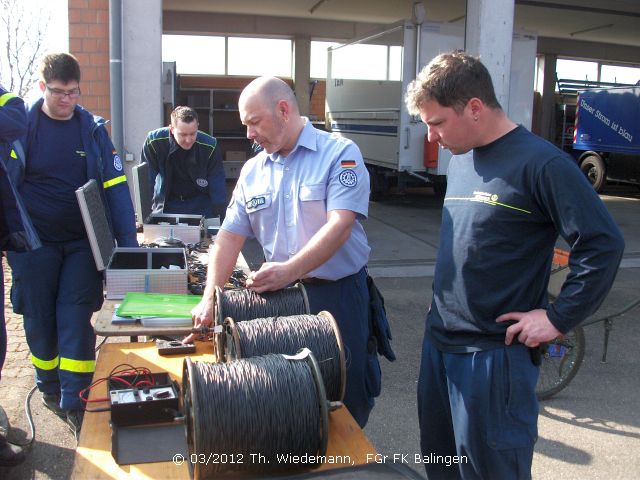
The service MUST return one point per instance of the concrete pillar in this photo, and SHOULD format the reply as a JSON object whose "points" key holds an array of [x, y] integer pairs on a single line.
{"points": [[301, 71], [548, 106], [489, 34], [142, 70]]}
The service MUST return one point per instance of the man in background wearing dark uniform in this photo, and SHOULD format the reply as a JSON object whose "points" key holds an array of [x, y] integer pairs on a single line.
{"points": [[57, 287], [185, 168]]}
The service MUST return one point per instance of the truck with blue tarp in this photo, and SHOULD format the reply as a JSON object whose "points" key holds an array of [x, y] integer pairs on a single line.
{"points": [[607, 135]]}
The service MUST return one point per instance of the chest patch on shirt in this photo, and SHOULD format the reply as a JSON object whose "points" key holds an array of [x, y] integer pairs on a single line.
{"points": [[348, 178], [255, 202], [488, 199], [202, 182], [117, 163]]}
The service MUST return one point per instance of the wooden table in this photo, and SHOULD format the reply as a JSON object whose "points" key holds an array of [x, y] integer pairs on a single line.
{"points": [[102, 319], [93, 456]]}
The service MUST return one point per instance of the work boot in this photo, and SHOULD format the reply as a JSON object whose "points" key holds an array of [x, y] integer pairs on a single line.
{"points": [[4, 423], [52, 402], [10, 454], [74, 421]]}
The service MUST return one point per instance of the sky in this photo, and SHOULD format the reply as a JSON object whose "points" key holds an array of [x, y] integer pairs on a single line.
{"points": [[57, 38], [57, 28]]}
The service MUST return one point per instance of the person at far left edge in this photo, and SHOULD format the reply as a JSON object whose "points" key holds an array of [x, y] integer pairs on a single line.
{"points": [[185, 168], [57, 287]]}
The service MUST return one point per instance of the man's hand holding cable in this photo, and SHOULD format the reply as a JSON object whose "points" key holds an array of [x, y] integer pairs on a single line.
{"points": [[202, 316], [272, 276], [222, 258], [531, 328]]}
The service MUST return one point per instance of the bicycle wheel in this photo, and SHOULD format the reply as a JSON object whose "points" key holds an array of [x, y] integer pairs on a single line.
{"points": [[561, 360]]}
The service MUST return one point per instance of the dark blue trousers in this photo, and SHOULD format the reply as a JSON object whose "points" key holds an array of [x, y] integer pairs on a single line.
{"points": [[480, 406], [57, 288], [348, 301], [3, 326]]}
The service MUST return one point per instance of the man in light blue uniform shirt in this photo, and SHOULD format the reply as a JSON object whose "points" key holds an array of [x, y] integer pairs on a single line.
{"points": [[302, 198]]}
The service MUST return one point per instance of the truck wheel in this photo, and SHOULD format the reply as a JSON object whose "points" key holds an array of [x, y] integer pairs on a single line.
{"points": [[593, 167]]}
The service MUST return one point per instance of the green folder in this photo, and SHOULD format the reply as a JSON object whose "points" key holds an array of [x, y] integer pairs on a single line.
{"points": [[157, 305]]}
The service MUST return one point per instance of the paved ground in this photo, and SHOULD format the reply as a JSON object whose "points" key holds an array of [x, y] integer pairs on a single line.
{"points": [[590, 430]]}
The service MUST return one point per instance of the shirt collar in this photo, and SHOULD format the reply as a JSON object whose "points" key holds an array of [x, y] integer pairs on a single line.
{"points": [[306, 139]]}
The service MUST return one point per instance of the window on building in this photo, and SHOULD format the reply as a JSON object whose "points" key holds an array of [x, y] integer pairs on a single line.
{"points": [[367, 62], [576, 70], [620, 74], [206, 55], [596, 72], [195, 54], [395, 63], [318, 66], [259, 56]]}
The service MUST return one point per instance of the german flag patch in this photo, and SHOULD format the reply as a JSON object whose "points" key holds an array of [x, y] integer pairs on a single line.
{"points": [[347, 163]]}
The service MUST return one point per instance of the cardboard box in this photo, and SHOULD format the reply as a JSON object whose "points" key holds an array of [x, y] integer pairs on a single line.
{"points": [[232, 169], [186, 228], [235, 156]]}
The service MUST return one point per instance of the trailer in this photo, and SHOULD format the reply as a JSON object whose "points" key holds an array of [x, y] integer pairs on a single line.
{"points": [[393, 143], [606, 141]]}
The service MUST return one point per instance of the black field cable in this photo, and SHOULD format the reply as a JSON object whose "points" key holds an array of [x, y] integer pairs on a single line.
{"points": [[244, 304], [253, 415], [27, 409], [288, 335], [197, 267]]}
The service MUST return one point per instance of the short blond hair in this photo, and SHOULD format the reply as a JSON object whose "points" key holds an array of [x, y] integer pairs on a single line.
{"points": [[183, 114]]}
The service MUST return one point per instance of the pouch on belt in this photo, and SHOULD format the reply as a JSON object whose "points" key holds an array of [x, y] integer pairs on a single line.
{"points": [[378, 322]]}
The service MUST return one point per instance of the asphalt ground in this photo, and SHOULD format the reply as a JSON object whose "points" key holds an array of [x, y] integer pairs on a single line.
{"points": [[590, 430]]}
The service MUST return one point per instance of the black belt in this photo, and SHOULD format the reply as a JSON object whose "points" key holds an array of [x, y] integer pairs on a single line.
{"points": [[324, 281], [184, 198], [316, 281]]}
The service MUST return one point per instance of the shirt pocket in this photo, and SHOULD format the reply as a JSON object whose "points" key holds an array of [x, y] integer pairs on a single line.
{"points": [[315, 192], [313, 203]]}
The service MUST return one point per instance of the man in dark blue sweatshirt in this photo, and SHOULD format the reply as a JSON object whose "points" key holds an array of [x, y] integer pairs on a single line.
{"points": [[508, 198]]}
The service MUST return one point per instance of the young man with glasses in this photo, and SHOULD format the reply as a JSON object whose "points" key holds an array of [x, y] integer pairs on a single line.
{"points": [[57, 287]]}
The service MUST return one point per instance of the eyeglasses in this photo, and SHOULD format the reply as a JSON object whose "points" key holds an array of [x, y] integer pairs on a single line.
{"points": [[57, 93]]}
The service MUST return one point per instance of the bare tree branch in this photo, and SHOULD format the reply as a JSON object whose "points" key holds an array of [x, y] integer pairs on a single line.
{"points": [[23, 36]]}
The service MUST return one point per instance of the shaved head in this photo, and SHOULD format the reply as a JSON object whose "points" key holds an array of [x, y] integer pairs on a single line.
{"points": [[270, 91]]}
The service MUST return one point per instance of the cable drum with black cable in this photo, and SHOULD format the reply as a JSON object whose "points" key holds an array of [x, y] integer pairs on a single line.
{"points": [[287, 335], [244, 304], [254, 414]]}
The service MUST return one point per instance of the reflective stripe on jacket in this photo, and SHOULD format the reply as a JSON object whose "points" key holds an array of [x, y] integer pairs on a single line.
{"points": [[16, 230]]}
